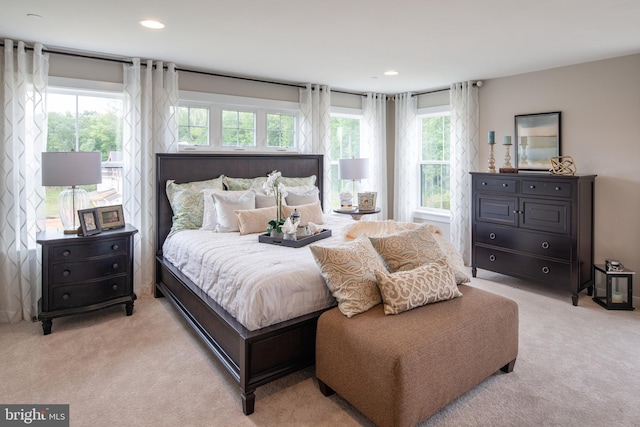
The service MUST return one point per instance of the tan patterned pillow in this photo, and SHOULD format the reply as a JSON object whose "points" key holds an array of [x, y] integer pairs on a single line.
{"points": [[404, 290], [408, 249], [308, 213], [255, 220], [348, 270]]}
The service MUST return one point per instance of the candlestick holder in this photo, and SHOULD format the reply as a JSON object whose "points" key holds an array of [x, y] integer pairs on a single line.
{"points": [[507, 157], [492, 162]]}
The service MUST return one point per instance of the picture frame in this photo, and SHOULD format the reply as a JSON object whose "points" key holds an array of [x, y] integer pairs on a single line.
{"points": [[110, 217], [89, 223], [367, 201], [537, 140]]}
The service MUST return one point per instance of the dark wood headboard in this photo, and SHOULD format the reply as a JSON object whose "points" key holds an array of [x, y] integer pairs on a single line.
{"points": [[198, 167]]}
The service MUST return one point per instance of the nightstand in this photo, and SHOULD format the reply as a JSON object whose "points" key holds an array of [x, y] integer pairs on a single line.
{"points": [[85, 273], [356, 213]]}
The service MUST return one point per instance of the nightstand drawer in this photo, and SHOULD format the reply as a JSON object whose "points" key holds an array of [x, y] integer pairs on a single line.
{"points": [[71, 272], [90, 293], [96, 248]]}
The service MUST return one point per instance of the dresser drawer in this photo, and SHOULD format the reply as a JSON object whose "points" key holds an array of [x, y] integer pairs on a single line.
{"points": [[514, 264], [88, 250], [70, 272], [70, 296], [495, 184], [547, 188], [552, 246]]}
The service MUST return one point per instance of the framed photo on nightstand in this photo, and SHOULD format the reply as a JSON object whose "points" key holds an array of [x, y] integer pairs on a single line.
{"points": [[89, 222], [110, 217]]}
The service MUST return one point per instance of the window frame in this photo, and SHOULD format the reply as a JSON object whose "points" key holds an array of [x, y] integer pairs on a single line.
{"points": [[216, 103], [427, 213]]}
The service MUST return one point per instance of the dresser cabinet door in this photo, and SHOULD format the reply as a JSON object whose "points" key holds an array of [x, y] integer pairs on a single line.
{"points": [[496, 209], [545, 215]]}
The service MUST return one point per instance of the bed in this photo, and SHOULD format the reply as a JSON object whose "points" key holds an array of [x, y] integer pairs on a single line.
{"points": [[252, 357]]}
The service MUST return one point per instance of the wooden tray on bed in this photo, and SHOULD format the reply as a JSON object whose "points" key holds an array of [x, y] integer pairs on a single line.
{"points": [[303, 241]]}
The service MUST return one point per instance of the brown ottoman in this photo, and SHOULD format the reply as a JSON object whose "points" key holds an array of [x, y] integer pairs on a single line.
{"points": [[400, 369]]}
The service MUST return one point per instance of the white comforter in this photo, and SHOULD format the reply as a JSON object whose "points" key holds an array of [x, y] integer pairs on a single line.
{"points": [[259, 284]]}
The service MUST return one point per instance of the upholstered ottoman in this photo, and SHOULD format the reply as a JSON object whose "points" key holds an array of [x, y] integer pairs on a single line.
{"points": [[400, 369]]}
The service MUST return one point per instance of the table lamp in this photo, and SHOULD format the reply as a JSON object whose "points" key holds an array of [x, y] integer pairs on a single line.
{"points": [[353, 169], [71, 168]]}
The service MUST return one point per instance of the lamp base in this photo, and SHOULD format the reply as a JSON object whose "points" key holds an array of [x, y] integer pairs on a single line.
{"points": [[69, 202]]}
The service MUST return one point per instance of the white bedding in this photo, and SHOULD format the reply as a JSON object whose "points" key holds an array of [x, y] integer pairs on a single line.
{"points": [[259, 284]]}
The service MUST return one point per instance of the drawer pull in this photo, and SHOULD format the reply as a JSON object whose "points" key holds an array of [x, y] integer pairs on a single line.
{"points": [[558, 188], [505, 185], [114, 247], [532, 187], [114, 287], [492, 258], [492, 236], [484, 183], [66, 252], [545, 269], [66, 273], [545, 245], [66, 297], [115, 265]]}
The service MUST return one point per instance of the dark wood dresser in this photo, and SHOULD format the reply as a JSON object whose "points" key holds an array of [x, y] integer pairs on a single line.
{"points": [[85, 273], [535, 226]]}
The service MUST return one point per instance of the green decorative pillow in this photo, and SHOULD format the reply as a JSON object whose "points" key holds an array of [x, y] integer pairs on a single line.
{"points": [[408, 249], [237, 184], [187, 202], [404, 290], [348, 270], [298, 182]]}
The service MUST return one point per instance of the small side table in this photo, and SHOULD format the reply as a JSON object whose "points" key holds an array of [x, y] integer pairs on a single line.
{"points": [[356, 214], [613, 289]]}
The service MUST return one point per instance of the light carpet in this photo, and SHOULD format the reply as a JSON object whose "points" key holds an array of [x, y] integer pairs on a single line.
{"points": [[577, 366]]}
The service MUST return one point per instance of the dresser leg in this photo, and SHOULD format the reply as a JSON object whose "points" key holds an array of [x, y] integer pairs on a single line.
{"points": [[474, 271], [574, 299], [46, 326], [129, 308]]}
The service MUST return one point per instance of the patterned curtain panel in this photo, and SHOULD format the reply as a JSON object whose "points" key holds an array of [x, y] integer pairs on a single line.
{"points": [[23, 134], [315, 130], [465, 119], [406, 185], [374, 136], [150, 127]]}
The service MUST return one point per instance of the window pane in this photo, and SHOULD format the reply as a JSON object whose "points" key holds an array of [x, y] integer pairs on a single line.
{"points": [[280, 130], [435, 138], [435, 162], [435, 185], [193, 125], [345, 137], [238, 128]]}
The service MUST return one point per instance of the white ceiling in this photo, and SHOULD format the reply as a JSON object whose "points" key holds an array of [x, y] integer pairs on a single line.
{"points": [[347, 44]]}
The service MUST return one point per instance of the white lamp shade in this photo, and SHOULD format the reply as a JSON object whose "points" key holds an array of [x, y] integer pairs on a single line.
{"points": [[353, 168], [71, 168]]}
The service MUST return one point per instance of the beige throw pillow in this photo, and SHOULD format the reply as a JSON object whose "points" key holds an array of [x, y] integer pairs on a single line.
{"points": [[308, 213], [404, 290], [348, 270], [255, 220], [408, 249]]}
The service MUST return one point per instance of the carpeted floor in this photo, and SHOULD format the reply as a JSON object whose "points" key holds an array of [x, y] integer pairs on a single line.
{"points": [[577, 366]]}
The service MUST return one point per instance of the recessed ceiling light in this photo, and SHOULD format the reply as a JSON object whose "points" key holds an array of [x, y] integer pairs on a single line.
{"points": [[391, 73], [150, 23]]}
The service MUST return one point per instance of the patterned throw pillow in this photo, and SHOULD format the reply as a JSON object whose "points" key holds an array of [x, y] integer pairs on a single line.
{"points": [[238, 184], [404, 290], [408, 249], [187, 202], [348, 270], [296, 182]]}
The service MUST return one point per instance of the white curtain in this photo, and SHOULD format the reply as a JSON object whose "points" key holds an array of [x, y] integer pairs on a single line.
{"points": [[150, 127], [465, 116], [23, 136], [406, 185], [374, 147], [315, 130]]}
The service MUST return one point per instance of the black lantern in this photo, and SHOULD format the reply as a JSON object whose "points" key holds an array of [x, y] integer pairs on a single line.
{"points": [[613, 288]]}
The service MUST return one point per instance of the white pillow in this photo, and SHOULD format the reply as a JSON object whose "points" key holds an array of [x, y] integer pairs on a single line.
{"points": [[227, 203], [303, 195], [263, 200], [209, 212]]}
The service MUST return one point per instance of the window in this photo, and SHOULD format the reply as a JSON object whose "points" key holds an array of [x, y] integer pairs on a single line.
{"points": [[345, 144], [193, 125], [435, 164], [238, 129], [281, 130], [86, 120], [223, 122]]}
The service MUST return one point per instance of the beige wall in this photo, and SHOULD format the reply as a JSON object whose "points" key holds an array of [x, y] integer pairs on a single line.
{"points": [[600, 105]]}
